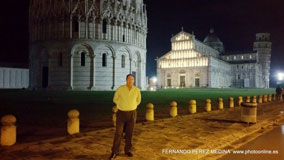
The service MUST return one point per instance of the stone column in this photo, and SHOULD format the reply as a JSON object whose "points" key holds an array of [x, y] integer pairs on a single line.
{"points": [[110, 30], [87, 27], [94, 23], [115, 31], [79, 27], [94, 72], [113, 79], [130, 60], [118, 32], [139, 73], [70, 27], [71, 73], [100, 33], [128, 39]]}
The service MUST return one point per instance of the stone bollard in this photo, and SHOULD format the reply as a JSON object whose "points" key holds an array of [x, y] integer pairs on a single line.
{"points": [[273, 97], [247, 99], [192, 106], [150, 112], [114, 110], [259, 99], [264, 98], [173, 110], [240, 101], [73, 123], [254, 99], [249, 112], [8, 130], [221, 104], [231, 102], [208, 105], [269, 98]]}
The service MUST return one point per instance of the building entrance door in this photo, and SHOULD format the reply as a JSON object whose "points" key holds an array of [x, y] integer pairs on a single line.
{"points": [[169, 82], [197, 82], [44, 77], [182, 81]]}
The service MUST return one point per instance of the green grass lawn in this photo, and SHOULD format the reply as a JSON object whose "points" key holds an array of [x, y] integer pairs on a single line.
{"points": [[49, 108]]}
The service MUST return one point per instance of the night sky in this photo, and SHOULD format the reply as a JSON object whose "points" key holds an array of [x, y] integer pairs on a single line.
{"points": [[235, 22]]}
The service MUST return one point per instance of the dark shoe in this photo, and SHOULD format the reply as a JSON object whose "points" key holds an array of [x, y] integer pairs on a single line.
{"points": [[112, 156], [129, 154]]}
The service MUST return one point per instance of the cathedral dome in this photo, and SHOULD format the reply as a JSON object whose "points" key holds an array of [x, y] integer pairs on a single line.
{"points": [[211, 37], [213, 41]]}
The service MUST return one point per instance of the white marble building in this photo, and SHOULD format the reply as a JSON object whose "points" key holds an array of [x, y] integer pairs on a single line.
{"points": [[14, 78], [192, 63], [87, 44]]}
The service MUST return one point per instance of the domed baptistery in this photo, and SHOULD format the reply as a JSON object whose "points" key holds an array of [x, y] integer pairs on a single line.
{"points": [[87, 44]]}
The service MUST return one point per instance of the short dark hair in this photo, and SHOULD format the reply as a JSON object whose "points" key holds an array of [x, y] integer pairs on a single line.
{"points": [[130, 75]]}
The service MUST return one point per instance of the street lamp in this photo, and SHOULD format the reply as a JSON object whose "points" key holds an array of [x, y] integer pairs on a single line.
{"points": [[280, 76], [152, 84], [154, 79]]}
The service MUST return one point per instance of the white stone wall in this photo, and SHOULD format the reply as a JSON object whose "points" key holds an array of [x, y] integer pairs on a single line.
{"points": [[190, 75], [92, 76], [14, 78], [249, 72], [204, 49], [59, 75], [220, 73]]}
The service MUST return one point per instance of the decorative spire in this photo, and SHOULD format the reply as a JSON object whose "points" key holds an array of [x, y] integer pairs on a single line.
{"points": [[181, 28]]}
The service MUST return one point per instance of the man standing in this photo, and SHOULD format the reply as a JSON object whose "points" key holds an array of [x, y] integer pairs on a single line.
{"points": [[127, 98], [278, 93]]}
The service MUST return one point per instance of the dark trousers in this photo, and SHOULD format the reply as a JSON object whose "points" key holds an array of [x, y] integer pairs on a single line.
{"points": [[125, 121]]}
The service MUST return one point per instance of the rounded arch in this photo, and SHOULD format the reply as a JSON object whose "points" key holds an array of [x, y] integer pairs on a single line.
{"points": [[104, 48], [82, 66], [197, 75], [125, 50], [182, 71], [83, 47], [138, 56]]}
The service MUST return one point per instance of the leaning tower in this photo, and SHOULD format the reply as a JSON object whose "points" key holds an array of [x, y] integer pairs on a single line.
{"points": [[263, 46], [87, 44]]}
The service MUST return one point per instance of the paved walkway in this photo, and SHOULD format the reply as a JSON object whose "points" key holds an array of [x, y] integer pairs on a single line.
{"points": [[193, 136], [267, 146]]}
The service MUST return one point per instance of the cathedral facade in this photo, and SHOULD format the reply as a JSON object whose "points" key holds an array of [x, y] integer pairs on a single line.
{"points": [[193, 63], [87, 44]]}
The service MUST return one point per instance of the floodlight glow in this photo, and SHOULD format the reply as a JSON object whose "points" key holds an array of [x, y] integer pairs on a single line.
{"points": [[154, 79], [280, 76]]}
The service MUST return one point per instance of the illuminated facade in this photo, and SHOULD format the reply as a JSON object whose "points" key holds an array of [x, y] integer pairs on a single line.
{"points": [[87, 44], [192, 63]]}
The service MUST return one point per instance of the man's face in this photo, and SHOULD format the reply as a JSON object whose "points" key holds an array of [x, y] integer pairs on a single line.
{"points": [[130, 80]]}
